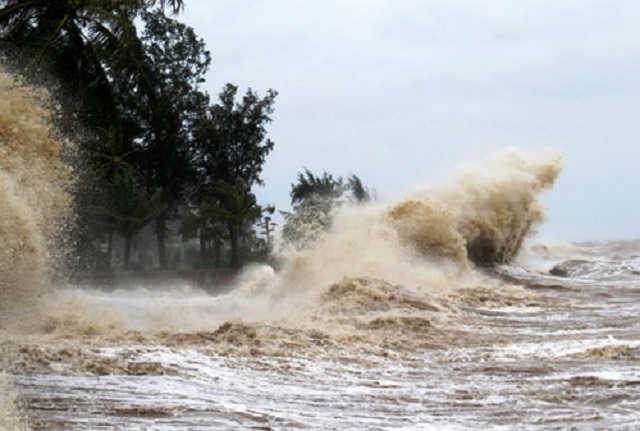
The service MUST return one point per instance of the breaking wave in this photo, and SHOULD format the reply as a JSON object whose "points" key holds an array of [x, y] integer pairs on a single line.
{"points": [[33, 192], [385, 276], [432, 241], [429, 243], [484, 215], [33, 205]]}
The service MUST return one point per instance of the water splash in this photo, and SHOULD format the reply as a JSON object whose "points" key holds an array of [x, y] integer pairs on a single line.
{"points": [[33, 192], [435, 238], [484, 215], [426, 247], [429, 242]]}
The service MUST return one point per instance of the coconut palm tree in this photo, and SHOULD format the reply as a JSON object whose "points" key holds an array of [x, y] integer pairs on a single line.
{"points": [[82, 41], [46, 24]]}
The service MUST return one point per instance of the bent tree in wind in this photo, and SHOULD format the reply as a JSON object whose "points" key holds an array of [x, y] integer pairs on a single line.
{"points": [[82, 41], [142, 116], [314, 199]]}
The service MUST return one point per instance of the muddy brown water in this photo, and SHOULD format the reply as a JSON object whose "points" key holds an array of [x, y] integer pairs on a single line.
{"points": [[384, 323], [562, 353]]}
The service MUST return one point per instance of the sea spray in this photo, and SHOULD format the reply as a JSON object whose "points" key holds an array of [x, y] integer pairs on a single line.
{"points": [[33, 192], [426, 245], [484, 215], [366, 289], [436, 237], [400, 270], [361, 243]]}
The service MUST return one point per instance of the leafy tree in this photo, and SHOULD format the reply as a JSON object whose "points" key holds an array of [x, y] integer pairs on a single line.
{"points": [[82, 41], [267, 226], [128, 208], [328, 187], [176, 6], [231, 144], [93, 47], [358, 190], [113, 153], [149, 122], [175, 61], [112, 158], [237, 207], [231, 137], [211, 233], [309, 185]]}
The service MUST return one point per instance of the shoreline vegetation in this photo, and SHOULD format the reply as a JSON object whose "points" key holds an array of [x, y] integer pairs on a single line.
{"points": [[163, 175], [159, 167], [155, 160]]}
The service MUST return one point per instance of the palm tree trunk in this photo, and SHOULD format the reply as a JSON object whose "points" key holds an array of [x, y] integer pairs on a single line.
{"points": [[203, 250], [127, 252], [161, 230], [233, 240], [107, 261], [217, 247]]}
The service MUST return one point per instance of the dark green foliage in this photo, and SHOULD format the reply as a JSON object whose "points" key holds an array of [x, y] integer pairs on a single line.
{"points": [[358, 190], [73, 38], [267, 225], [309, 185], [236, 206], [128, 207], [174, 60], [231, 211], [232, 138], [82, 41], [327, 187], [153, 146], [231, 146]]}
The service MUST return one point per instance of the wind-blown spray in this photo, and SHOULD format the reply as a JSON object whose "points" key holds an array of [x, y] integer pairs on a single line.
{"points": [[436, 237], [484, 216], [33, 193]]}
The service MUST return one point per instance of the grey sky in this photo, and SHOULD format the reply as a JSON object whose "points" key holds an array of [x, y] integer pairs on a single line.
{"points": [[400, 91]]}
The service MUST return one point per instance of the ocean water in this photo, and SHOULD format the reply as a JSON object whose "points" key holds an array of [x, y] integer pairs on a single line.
{"points": [[538, 352], [433, 311]]}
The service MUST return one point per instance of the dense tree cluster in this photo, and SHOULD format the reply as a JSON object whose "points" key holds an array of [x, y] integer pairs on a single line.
{"points": [[159, 153]]}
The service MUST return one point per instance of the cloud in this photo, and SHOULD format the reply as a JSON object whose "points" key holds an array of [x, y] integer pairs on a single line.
{"points": [[397, 91]]}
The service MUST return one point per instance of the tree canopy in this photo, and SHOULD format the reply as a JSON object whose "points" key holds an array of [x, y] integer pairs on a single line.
{"points": [[155, 147]]}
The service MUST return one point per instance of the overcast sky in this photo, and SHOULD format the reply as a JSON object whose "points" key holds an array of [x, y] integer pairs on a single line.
{"points": [[402, 91]]}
